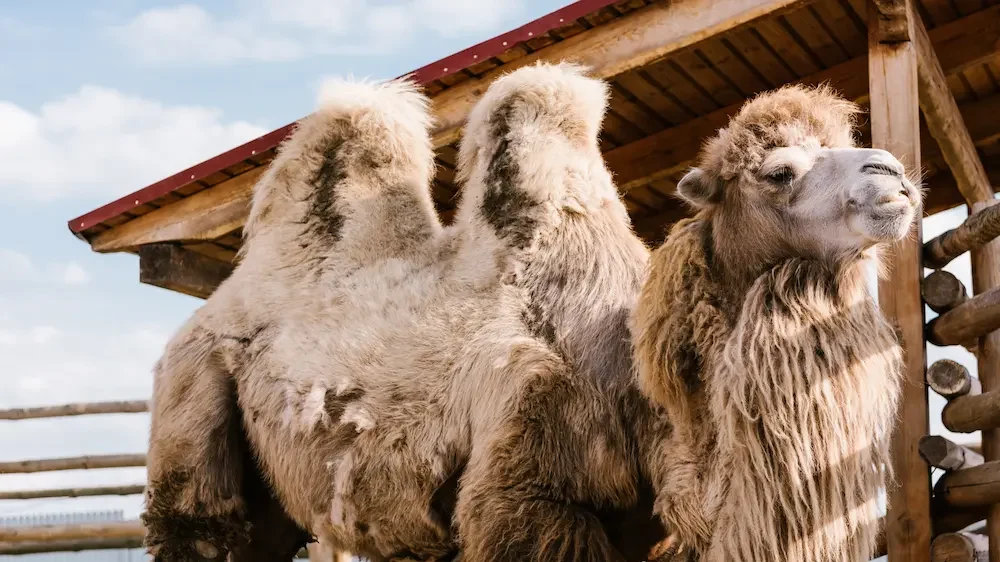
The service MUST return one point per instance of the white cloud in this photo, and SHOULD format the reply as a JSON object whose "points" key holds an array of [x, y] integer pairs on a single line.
{"points": [[102, 142], [282, 30], [18, 267], [72, 273]]}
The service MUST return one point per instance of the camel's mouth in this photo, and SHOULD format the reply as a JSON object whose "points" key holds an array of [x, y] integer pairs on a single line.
{"points": [[888, 212]]}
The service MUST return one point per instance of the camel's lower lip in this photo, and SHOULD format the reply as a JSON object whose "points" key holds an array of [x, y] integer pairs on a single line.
{"points": [[894, 206]]}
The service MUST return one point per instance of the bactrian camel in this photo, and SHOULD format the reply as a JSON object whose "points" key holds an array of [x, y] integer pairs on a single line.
{"points": [[756, 332], [411, 391]]}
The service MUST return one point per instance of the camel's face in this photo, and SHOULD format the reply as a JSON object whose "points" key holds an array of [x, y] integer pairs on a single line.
{"points": [[838, 199]]}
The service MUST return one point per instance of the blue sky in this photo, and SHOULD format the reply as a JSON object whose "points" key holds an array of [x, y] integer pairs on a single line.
{"points": [[100, 98]]}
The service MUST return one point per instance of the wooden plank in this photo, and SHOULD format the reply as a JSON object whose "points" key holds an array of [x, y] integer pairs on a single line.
{"points": [[944, 121], [971, 487], [74, 492], [959, 45], [80, 409], [950, 379], [975, 232], [974, 318], [176, 269], [895, 124], [78, 531], [972, 412], [206, 215], [633, 40], [943, 453], [72, 463]]}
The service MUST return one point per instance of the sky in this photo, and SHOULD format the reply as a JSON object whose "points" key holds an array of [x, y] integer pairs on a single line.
{"points": [[100, 98]]}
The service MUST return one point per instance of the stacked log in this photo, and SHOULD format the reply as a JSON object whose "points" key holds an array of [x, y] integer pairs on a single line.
{"points": [[977, 231], [960, 547]]}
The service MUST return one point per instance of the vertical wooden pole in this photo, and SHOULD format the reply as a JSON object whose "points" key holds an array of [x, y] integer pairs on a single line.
{"points": [[986, 275], [895, 119]]}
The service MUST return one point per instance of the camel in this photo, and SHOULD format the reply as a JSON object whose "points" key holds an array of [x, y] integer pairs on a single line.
{"points": [[754, 330], [405, 390]]}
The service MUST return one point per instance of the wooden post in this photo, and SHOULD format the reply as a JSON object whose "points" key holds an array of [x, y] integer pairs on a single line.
{"points": [[951, 379], [986, 276], [942, 291], [941, 452], [959, 547], [895, 124], [971, 487]]}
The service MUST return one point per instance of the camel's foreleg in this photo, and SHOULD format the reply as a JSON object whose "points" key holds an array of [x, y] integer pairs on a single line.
{"points": [[194, 504], [533, 491]]}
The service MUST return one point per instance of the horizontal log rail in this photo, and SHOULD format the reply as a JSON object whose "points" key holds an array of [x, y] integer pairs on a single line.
{"points": [[972, 412], [76, 545], [959, 547], [72, 463], [75, 531], [951, 379], [941, 452], [972, 319], [74, 492], [942, 291], [970, 487], [79, 409], [977, 231]]}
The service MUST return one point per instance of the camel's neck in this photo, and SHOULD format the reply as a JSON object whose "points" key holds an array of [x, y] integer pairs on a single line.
{"points": [[736, 257]]}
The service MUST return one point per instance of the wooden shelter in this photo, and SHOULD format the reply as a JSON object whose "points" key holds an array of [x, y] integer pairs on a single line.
{"points": [[678, 70]]}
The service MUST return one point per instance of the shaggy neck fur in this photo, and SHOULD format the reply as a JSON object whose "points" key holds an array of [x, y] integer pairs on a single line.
{"points": [[785, 396]]}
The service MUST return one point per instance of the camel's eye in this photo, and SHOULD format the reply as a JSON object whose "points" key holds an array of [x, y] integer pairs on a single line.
{"points": [[781, 176]]}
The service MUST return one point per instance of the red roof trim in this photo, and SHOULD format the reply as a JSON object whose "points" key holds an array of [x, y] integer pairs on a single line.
{"points": [[444, 67]]}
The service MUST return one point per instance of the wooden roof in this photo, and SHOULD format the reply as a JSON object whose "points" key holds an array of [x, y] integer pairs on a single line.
{"points": [[678, 69]]}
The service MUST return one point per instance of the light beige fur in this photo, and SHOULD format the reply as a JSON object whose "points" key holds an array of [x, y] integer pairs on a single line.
{"points": [[409, 391], [755, 332]]}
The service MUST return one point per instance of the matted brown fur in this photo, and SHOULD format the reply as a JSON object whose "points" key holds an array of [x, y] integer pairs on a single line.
{"points": [[761, 342]]}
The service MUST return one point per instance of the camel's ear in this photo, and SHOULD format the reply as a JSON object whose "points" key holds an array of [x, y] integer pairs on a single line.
{"points": [[699, 189]]}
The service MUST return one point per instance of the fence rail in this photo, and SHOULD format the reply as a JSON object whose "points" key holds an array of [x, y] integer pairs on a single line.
{"points": [[76, 409]]}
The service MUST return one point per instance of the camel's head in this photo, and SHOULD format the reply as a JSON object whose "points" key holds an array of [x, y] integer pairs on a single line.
{"points": [[785, 174]]}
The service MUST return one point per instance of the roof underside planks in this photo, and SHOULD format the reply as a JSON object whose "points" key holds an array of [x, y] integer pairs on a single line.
{"points": [[677, 69]]}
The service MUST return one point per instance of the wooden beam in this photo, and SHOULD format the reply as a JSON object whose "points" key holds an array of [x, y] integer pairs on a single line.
{"points": [[942, 291], [974, 233], [941, 452], [959, 547], [951, 379], [891, 19], [76, 531], [972, 412], [75, 545], [74, 492], [72, 463], [171, 267], [960, 44], [206, 215], [631, 41], [971, 487], [895, 124], [80, 409], [944, 121], [974, 318]]}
